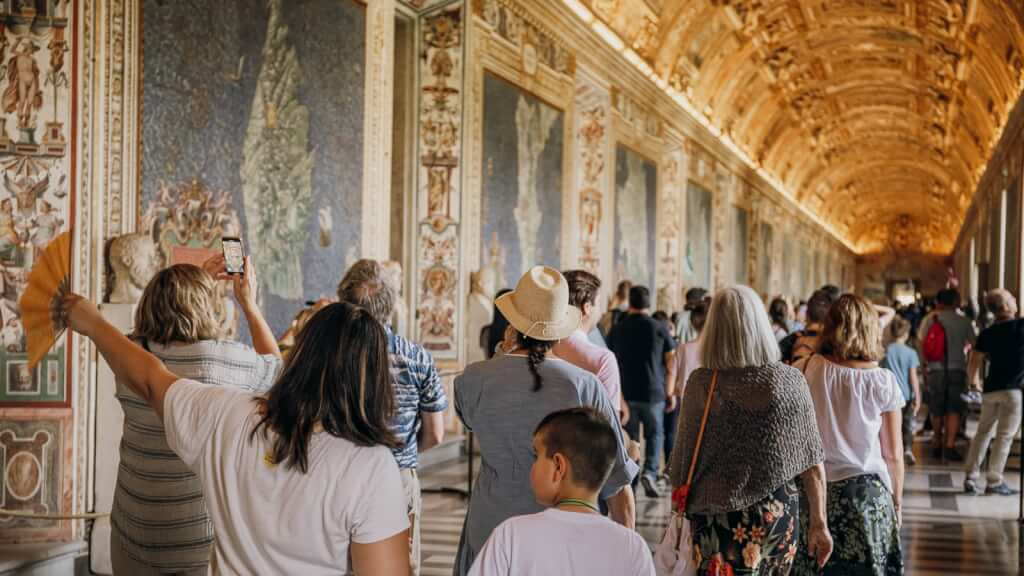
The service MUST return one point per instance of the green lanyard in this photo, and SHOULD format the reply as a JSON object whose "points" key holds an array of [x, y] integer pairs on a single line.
{"points": [[577, 502]]}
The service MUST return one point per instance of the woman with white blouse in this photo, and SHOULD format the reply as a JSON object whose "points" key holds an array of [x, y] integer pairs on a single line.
{"points": [[858, 406]]}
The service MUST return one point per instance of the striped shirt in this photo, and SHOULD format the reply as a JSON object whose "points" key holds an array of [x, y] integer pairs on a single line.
{"points": [[159, 510], [417, 389]]}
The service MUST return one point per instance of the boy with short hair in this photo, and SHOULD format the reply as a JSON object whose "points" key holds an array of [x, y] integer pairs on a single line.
{"points": [[902, 360], [574, 451]]}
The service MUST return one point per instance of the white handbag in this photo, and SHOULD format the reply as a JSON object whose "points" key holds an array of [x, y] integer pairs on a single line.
{"points": [[673, 556]]}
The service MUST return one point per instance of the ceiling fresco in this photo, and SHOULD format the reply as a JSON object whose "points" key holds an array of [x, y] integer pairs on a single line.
{"points": [[878, 115]]}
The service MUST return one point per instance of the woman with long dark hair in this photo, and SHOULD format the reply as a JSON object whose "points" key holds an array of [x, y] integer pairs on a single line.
{"points": [[503, 399], [301, 480]]}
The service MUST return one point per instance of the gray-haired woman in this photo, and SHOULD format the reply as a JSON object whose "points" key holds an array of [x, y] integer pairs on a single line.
{"points": [[760, 439]]}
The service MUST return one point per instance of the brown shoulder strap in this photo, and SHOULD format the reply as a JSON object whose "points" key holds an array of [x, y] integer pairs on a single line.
{"points": [[703, 424]]}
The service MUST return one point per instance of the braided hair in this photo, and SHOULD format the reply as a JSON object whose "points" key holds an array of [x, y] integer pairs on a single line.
{"points": [[536, 351]]}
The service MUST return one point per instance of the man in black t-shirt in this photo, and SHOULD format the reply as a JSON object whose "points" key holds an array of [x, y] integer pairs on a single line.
{"points": [[1002, 344], [645, 351]]}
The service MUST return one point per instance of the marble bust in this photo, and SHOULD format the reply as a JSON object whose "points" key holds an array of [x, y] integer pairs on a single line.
{"points": [[133, 261]]}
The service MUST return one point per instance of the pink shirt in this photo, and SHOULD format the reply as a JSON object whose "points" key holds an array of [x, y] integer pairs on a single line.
{"points": [[578, 350]]}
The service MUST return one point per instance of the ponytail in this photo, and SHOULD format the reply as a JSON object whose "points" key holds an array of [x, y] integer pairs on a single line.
{"points": [[536, 351]]}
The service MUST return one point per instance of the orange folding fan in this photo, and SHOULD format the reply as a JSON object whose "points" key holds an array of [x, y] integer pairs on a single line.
{"points": [[40, 304]]}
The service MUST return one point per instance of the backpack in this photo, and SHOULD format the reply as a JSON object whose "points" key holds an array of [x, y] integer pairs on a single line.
{"points": [[934, 346]]}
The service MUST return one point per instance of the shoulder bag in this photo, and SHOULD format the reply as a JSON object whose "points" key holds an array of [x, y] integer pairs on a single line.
{"points": [[674, 554]]}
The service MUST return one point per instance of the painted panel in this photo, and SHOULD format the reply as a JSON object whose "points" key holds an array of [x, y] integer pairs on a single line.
{"points": [[804, 274], [697, 260], [35, 200], [35, 451], [789, 278], [636, 197], [521, 199], [740, 245], [767, 253], [259, 104], [591, 168], [440, 170]]}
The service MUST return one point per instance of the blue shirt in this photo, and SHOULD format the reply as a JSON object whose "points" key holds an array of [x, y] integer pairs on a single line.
{"points": [[417, 389], [901, 359]]}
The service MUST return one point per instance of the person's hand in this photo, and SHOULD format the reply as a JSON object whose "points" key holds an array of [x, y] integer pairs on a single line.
{"points": [[915, 407], [623, 414], [671, 403], [80, 314], [245, 284], [215, 266], [899, 514], [819, 543]]}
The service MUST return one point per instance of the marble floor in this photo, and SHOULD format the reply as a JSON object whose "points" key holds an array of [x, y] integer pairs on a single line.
{"points": [[944, 531]]}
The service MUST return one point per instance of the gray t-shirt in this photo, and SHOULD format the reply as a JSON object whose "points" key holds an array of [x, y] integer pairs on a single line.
{"points": [[960, 333], [495, 399]]}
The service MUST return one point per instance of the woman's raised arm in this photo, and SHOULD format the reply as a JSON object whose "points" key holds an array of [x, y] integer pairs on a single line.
{"points": [[144, 373]]}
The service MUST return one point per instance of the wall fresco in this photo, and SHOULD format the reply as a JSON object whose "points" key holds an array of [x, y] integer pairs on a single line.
{"points": [[697, 258], [35, 452], [261, 103], [522, 156], [636, 196]]}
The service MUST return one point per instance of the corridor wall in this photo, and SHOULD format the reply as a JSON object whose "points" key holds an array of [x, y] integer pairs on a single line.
{"points": [[178, 116]]}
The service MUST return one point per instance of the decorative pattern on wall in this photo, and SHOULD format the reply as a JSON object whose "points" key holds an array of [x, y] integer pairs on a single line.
{"points": [[538, 46], [670, 225], [439, 207], [697, 258], [35, 452], [35, 116], [592, 142], [189, 215]]}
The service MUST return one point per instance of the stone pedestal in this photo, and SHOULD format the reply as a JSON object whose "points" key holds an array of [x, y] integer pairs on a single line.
{"points": [[109, 426]]}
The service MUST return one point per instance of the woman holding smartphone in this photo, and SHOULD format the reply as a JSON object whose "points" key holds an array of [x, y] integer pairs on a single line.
{"points": [[159, 517]]}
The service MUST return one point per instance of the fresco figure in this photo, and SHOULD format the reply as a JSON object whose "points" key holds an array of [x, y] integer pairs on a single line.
{"points": [[23, 95]]}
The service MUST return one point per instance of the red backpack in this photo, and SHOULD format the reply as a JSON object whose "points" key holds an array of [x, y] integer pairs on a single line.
{"points": [[934, 346]]}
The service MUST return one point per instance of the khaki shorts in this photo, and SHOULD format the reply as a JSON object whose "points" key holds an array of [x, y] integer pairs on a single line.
{"points": [[414, 501]]}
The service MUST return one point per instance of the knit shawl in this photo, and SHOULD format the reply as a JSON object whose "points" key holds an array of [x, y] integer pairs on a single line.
{"points": [[761, 433]]}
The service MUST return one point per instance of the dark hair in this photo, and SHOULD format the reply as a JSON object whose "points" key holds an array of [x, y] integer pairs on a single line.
{"points": [[639, 298], [832, 291], [364, 285], [339, 376], [779, 312], [694, 295], [586, 439], [948, 297], [660, 316], [817, 307], [699, 313], [583, 287], [496, 329], [535, 349]]}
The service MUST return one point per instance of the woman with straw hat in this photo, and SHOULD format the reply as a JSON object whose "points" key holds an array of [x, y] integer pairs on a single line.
{"points": [[503, 399]]}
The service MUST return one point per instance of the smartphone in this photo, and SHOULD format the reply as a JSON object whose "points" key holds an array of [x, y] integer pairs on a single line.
{"points": [[234, 255]]}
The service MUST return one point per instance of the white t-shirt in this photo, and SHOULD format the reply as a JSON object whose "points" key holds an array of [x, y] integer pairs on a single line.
{"points": [[269, 519], [848, 404], [565, 543]]}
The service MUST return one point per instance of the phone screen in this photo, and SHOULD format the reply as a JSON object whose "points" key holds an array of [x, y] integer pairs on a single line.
{"points": [[234, 256]]}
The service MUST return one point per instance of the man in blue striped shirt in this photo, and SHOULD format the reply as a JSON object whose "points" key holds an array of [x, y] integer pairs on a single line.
{"points": [[420, 399]]}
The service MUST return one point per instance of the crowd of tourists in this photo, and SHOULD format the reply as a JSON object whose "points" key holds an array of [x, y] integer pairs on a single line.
{"points": [[781, 433]]}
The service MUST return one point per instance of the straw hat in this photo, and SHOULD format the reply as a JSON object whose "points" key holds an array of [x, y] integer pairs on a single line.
{"points": [[539, 306]]}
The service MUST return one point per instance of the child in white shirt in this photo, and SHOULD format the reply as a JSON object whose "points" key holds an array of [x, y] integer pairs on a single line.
{"points": [[574, 451]]}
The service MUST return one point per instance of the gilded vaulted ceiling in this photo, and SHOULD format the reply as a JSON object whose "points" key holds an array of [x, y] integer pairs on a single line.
{"points": [[879, 115]]}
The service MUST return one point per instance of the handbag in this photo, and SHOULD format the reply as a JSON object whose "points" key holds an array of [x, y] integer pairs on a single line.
{"points": [[673, 556]]}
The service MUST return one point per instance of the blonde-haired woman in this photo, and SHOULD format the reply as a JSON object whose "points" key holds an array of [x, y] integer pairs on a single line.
{"points": [[159, 516], [760, 439], [859, 411]]}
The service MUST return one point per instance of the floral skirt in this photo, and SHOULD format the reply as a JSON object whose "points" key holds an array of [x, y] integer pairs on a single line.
{"points": [[760, 540], [862, 520]]}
